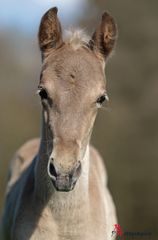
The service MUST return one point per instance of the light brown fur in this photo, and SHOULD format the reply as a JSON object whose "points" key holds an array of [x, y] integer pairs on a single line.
{"points": [[72, 81]]}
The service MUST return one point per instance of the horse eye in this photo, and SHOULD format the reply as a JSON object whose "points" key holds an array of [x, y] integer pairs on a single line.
{"points": [[43, 94], [102, 99]]}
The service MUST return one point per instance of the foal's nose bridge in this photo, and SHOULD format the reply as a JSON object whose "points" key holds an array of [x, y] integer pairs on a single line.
{"points": [[64, 143], [65, 154]]}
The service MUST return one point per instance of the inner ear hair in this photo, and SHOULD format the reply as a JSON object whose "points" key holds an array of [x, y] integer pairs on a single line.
{"points": [[50, 33], [104, 38]]}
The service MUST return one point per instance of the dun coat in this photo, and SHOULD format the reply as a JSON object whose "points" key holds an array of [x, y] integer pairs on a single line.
{"points": [[57, 186]]}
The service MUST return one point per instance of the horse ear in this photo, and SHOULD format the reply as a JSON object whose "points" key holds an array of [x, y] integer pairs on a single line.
{"points": [[104, 38], [50, 33]]}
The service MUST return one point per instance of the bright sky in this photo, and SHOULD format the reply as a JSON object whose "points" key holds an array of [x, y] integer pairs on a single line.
{"points": [[25, 14]]}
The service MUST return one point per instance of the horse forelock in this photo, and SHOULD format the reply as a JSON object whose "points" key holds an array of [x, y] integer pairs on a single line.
{"points": [[76, 38]]}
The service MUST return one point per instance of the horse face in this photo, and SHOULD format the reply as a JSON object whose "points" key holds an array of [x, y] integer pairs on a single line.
{"points": [[72, 87]]}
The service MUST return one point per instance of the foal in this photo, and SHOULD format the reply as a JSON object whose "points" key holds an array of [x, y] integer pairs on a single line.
{"points": [[57, 187]]}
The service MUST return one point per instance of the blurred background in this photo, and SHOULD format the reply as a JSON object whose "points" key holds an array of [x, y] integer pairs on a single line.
{"points": [[127, 135]]}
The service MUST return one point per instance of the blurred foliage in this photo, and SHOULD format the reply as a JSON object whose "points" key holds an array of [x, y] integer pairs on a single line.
{"points": [[127, 134]]}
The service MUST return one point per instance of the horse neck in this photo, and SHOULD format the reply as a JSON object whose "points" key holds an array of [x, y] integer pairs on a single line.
{"points": [[43, 186]]}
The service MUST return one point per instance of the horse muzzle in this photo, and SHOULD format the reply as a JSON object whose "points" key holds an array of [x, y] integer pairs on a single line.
{"points": [[64, 182]]}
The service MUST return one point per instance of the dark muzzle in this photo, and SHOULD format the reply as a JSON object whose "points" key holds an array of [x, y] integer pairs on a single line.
{"points": [[64, 182]]}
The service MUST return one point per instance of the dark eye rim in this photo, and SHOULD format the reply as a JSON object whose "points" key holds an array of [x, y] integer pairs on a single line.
{"points": [[103, 98], [42, 93]]}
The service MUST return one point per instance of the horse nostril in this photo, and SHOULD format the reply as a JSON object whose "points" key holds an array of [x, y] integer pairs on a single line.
{"points": [[77, 170], [78, 167], [51, 169]]}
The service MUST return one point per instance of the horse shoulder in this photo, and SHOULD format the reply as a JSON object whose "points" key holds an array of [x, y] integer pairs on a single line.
{"points": [[21, 160]]}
